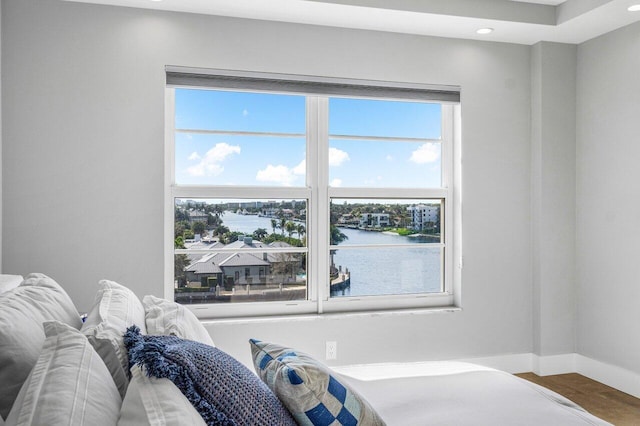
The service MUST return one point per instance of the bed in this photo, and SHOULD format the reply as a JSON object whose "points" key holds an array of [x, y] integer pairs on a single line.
{"points": [[456, 393], [151, 362]]}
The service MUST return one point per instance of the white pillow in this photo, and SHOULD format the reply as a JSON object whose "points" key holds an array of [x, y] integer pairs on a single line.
{"points": [[115, 309], [69, 384], [170, 318], [22, 311], [156, 402]]}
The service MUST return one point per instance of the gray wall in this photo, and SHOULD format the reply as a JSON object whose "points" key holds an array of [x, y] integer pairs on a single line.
{"points": [[553, 145], [83, 161], [0, 135], [608, 198]]}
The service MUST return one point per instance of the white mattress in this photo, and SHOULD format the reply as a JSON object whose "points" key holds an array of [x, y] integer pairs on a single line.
{"points": [[456, 393]]}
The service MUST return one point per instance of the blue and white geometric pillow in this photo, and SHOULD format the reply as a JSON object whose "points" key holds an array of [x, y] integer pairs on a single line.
{"points": [[308, 389]]}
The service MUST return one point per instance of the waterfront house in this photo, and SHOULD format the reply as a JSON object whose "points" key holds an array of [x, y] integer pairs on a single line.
{"points": [[197, 216], [201, 245], [240, 268], [423, 216], [374, 220], [244, 268], [204, 271], [348, 219]]}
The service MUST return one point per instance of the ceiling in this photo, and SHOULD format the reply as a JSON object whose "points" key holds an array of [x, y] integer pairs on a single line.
{"points": [[513, 21]]}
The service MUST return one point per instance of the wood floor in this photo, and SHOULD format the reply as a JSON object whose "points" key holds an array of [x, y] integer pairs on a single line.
{"points": [[600, 400]]}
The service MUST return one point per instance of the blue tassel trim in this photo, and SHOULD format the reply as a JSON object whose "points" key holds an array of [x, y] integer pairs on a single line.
{"points": [[150, 353]]}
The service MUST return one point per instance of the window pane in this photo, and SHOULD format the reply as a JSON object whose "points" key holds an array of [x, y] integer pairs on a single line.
{"points": [[205, 159], [230, 223], [233, 269], [239, 111], [361, 163], [365, 117], [386, 271], [238, 277], [383, 268], [357, 221]]}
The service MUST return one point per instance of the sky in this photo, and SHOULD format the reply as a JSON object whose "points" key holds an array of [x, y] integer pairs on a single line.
{"points": [[260, 160]]}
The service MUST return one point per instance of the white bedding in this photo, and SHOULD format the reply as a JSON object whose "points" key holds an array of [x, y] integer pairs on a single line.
{"points": [[7, 282], [456, 393]]}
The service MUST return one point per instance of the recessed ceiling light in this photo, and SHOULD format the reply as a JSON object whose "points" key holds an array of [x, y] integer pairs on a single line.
{"points": [[485, 31], [634, 8]]}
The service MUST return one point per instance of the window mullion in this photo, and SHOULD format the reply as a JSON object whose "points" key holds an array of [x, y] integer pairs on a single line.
{"points": [[386, 193], [321, 179], [447, 149], [448, 183], [312, 183], [211, 191], [169, 138]]}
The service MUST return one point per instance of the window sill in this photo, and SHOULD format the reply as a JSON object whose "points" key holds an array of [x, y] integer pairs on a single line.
{"points": [[332, 316]]}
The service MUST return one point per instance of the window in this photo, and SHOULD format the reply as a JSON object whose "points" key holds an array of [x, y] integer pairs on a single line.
{"points": [[288, 195]]}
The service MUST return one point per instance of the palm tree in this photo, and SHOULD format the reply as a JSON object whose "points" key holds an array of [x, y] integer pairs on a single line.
{"points": [[290, 227], [301, 230], [180, 262], [214, 210], [283, 224], [260, 234], [220, 230], [336, 236], [198, 228], [274, 225]]}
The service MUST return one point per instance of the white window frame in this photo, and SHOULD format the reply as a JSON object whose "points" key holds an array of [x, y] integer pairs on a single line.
{"points": [[317, 192]]}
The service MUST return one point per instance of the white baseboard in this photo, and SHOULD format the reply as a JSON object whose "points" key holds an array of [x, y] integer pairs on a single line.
{"points": [[616, 377], [513, 363], [554, 364]]}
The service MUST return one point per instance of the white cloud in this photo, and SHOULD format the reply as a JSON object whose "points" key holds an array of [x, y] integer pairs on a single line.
{"points": [[221, 151], [245, 112], [336, 182], [194, 156], [300, 169], [373, 181], [282, 174], [389, 157], [427, 153], [279, 174], [337, 157], [210, 165], [202, 169]]}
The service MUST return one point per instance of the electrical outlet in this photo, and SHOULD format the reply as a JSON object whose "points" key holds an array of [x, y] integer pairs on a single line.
{"points": [[332, 350]]}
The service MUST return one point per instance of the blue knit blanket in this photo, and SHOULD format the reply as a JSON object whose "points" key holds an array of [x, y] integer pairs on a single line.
{"points": [[224, 391]]}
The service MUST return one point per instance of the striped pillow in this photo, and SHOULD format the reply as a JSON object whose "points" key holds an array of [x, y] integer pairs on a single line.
{"points": [[22, 312], [156, 402], [69, 384], [309, 389], [115, 308], [172, 319]]}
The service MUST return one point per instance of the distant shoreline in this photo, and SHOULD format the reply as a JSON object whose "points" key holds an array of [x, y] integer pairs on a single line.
{"points": [[412, 235]]}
